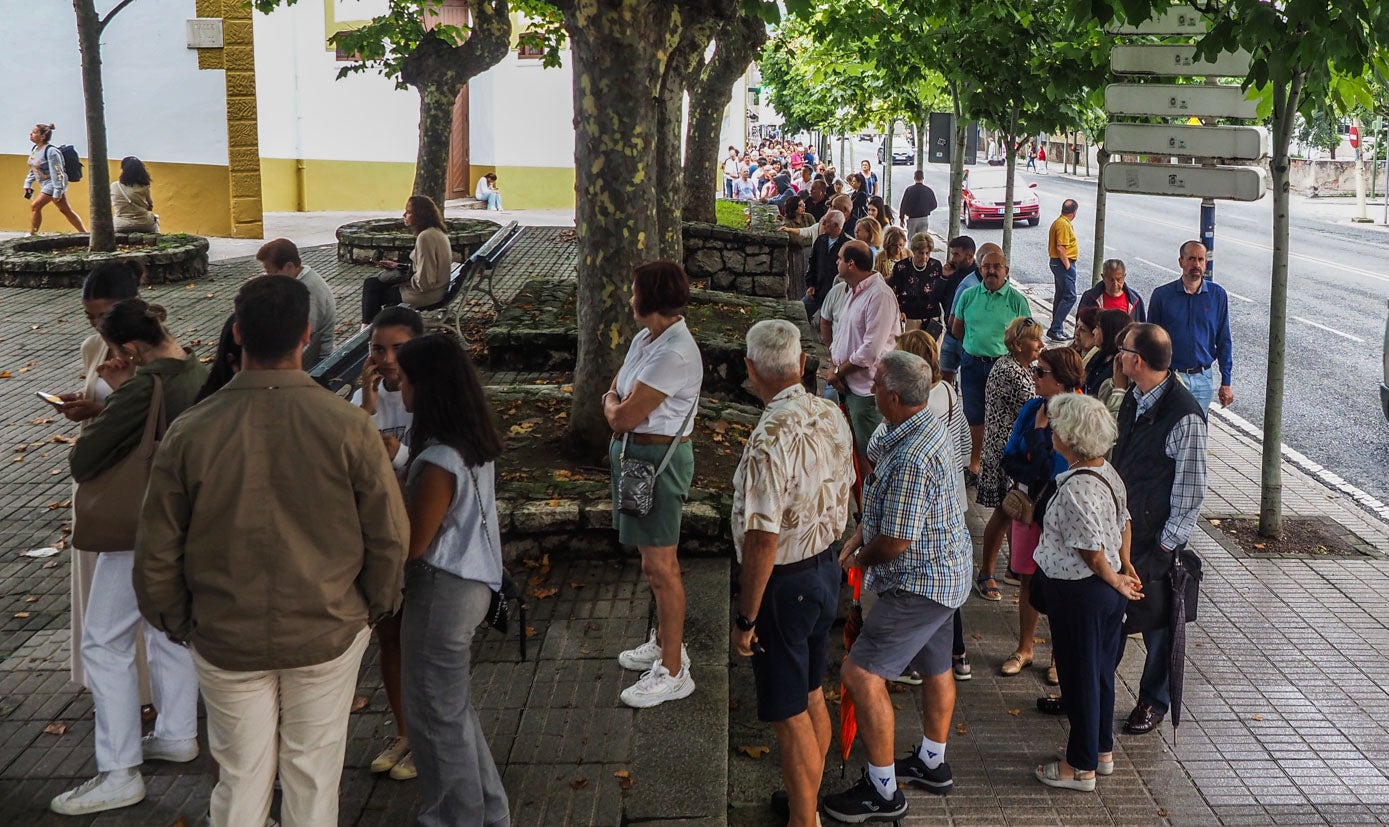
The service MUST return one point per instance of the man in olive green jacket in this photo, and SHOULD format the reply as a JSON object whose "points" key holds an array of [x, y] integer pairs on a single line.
{"points": [[272, 534]]}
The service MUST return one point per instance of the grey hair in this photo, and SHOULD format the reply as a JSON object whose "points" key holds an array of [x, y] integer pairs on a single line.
{"points": [[906, 375], [774, 345], [835, 217], [1113, 264], [1083, 423]]}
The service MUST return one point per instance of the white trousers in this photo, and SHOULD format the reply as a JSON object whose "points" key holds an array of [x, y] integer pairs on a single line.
{"points": [[109, 633], [290, 720]]}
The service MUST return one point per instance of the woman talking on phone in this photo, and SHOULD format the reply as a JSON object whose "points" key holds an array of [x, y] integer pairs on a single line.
{"points": [[148, 366]]}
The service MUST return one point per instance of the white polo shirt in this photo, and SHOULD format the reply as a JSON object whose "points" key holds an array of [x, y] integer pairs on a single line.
{"points": [[670, 364]]}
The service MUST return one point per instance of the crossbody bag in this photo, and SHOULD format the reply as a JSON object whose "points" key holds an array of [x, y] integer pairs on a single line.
{"points": [[636, 478], [499, 609]]}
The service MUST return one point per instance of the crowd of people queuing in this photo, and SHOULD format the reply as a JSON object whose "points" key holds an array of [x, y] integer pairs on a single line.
{"points": [[1086, 450], [1089, 455]]}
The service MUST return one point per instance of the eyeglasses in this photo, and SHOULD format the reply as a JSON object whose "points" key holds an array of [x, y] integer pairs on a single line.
{"points": [[1039, 371], [1128, 350]]}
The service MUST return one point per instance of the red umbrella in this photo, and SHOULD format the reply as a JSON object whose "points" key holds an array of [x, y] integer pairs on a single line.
{"points": [[853, 624]]}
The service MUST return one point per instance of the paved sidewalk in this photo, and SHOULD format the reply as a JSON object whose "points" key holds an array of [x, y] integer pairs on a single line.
{"points": [[1286, 692]]}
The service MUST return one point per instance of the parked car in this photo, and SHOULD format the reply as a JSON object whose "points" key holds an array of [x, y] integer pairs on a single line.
{"points": [[903, 152], [986, 199], [1384, 378]]}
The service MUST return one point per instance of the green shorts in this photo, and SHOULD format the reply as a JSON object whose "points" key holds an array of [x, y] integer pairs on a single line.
{"points": [[864, 418], [661, 527]]}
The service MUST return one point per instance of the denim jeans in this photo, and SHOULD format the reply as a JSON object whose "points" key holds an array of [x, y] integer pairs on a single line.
{"points": [[1064, 300], [459, 783], [1202, 386]]}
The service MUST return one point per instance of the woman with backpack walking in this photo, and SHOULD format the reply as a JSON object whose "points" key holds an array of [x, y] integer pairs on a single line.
{"points": [[48, 170]]}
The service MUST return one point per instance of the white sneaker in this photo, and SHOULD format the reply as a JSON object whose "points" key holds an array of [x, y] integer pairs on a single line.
{"points": [[106, 791], [169, 749], [642, 657], [393, 754], [657, 686]]}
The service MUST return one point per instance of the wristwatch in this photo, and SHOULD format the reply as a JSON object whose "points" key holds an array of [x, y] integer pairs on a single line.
{"points": [[744, 623]]}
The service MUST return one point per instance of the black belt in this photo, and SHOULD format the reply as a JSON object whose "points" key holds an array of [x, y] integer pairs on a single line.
{"points": [[1193, 370], [802, 565], [987, 359]]}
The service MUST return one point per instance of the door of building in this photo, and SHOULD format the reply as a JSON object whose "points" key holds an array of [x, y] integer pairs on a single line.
{"points": [[460, 179]]}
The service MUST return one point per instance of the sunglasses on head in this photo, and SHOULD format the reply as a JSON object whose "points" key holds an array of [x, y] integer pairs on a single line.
{"points": [[1029, 322]]}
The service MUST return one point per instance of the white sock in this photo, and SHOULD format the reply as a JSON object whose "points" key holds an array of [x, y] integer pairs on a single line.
{"points": [[932, 753], [884, 780]]}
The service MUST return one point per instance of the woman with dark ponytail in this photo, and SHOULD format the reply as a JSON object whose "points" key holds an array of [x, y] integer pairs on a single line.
{"points": [[145, 357]]}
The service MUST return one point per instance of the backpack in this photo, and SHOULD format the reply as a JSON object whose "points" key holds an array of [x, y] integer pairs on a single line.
{"points": [[72, 164]]}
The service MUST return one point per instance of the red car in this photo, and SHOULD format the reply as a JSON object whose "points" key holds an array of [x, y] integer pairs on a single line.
{"points": [[985, 197]]}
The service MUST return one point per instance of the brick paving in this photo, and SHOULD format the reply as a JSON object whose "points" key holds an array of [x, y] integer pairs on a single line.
{"points": [[1286, 692]]}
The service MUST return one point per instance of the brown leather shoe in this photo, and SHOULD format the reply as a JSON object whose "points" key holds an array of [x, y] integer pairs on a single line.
{"points": [[1142, 719]]}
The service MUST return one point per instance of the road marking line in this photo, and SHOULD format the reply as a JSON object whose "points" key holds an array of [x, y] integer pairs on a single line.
{"points": [[1327, 329], [1320, 262], [1159, 266], [1238, 296]]}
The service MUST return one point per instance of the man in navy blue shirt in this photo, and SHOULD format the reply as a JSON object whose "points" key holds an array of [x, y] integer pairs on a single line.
{"points": [[1196, 314]]}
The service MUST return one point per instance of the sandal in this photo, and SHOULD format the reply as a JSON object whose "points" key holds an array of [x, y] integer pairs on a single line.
{"points": [[987, 592], [1050, 774], [1101, 767], [1013, 664]]}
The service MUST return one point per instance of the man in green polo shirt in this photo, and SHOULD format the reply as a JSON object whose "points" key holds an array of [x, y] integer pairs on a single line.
{"points": [[982, 313]]}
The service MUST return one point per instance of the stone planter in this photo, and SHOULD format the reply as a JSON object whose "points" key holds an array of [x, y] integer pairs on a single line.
{"points": [[537, 332], [746, 262], [62, 261], [367, 242]]}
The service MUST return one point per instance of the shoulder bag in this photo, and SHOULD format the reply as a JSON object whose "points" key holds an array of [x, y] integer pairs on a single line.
{"points": [[106, 510], [636, 478], [1035, 596], [499, 609]]}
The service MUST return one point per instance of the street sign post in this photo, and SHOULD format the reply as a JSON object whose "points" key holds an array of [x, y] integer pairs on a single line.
{"points": [[1170, 100], [1186, 180], [1242, 143], [1176, 61], [1176, 20]]}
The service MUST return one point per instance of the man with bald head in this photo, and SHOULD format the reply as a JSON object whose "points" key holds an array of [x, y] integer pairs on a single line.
{"points": [[1195, 312], [865, 328], [982, 313], [1161, 456]]}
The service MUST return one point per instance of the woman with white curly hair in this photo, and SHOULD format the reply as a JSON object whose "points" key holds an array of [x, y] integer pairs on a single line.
{"points": [[1088, 584]]}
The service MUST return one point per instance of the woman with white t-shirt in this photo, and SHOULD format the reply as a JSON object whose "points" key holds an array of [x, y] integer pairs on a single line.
{"points": [[1089, 582], [381, 396], [650, 407]]}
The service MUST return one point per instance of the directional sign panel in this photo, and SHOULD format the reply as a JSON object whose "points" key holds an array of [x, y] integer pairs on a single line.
{"points": [[1227, 183], [1178, 100], [1242, 143], [1176, 61], [1176, 20]]}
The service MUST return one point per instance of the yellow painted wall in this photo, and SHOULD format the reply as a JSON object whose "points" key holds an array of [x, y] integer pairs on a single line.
{"points": [[189, 198], [530, 188]]}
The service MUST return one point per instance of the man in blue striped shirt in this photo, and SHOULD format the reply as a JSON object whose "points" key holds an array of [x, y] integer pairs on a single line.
{"points": [[917, 553], [1196, 314]]}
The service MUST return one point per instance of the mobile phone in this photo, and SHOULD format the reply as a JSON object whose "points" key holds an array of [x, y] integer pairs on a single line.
{"points": [[55, 401]]}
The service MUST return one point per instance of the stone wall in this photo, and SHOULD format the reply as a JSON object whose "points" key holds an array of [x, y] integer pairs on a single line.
{"points": [[743, 262], [1327, 177]]}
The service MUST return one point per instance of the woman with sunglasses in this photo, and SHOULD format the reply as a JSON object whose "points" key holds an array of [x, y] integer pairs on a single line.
{"points": [[1032, 462]]}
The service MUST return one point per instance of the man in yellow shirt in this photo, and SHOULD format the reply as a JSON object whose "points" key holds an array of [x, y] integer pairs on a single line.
{"points": [[1062, 250]]}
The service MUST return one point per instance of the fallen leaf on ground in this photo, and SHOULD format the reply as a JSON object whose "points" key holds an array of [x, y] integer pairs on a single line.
{"points": [[51, 564], [1015, 712], [961, 729], [1039, 640], [624, 779], [977, 636], [55, 728], [756, 753], [1162, 814], [577, 585], [359, 703], [21, 615], [31, 599], [579, 783], [6, 374], [48, 551], [1258, 717], [1215, 522], [43, 420], [543, 593], [530, 631]]}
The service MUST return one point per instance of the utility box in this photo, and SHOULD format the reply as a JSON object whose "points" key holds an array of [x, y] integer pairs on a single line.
{"points": [[939, 127]]}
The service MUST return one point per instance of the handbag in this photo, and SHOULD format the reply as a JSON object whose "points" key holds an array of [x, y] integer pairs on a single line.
{"points": [[1019, 506], [106, 510], [499, 608], [636, 478], [1035, 591]]}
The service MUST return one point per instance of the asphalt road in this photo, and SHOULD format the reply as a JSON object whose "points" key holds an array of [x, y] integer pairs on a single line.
{"points": [[1338, 287]]}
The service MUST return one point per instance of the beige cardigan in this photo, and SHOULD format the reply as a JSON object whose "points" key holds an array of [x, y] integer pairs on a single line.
{"points": [[431, 261]]}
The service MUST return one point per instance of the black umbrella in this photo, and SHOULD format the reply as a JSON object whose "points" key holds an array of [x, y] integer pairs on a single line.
{"points": [[1180, 577]]}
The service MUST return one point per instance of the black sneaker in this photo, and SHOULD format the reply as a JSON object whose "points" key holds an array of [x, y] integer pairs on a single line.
{"points": [[781, 805], [914, 771], [862, 803]]}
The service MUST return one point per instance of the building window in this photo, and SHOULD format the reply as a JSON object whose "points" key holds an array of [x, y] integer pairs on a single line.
{"points": [[530, 52], [344, 56]]}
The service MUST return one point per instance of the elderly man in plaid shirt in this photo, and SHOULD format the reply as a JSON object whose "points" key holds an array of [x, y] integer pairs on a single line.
{"points": [[916, 551]]}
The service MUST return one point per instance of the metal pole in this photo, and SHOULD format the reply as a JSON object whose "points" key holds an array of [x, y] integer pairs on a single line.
{"points": [[1386, 170], [1208, 234]]}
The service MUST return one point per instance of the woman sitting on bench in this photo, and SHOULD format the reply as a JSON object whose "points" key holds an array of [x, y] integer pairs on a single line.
{"points": [[423, 281]]}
